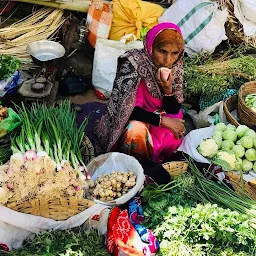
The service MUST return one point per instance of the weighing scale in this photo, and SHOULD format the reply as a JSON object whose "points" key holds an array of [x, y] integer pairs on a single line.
{"points": [[45, 54]]}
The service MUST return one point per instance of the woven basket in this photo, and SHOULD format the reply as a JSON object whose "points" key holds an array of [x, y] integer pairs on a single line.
{"points": [[53, 208], [246, 115], [88, 150], [230, 105], [176, 168], [234, 29], [242, 187]]}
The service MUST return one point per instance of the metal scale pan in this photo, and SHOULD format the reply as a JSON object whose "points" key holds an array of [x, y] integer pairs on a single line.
{"points": [[46, 54]]}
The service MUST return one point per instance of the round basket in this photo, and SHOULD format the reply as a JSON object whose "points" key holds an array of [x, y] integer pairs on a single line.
{"points": [[246, 115], [176, 168], [53, 208], [234, 29], [242, 187], [88, 150], [230, 104]]}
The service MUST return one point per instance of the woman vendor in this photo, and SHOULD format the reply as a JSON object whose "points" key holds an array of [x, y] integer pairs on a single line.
{"points": [[143, 117]]}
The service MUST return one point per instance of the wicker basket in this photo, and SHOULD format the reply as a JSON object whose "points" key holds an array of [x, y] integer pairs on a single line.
{"points": [[53, 208], [242, 186], [246, 115], [176, 168], [234, 29], [230, 105], [88, 150]]}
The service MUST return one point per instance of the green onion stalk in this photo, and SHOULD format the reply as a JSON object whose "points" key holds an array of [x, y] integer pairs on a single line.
{"points": [[51, 131], [220, 193]]}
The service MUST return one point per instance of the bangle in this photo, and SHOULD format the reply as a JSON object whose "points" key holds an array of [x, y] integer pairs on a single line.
{"points": [[160, 120], [168, 95]]}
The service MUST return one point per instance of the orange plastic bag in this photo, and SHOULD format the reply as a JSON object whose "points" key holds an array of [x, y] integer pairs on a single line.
{"points": [[129, 17]]}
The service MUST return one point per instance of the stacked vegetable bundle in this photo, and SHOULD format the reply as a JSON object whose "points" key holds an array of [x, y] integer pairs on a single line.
{"points": [[231, 148], [46, 158], [208, 76]]}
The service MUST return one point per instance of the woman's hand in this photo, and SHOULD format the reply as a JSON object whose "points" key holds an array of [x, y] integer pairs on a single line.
{"points": [[164, 83], [176, 125]]}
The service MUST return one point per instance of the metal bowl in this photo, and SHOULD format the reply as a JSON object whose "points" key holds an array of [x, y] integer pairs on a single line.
{"points": [[45, 50]]}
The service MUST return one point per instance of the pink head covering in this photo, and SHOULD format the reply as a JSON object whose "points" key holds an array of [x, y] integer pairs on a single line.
{"points": [[153, 32]]}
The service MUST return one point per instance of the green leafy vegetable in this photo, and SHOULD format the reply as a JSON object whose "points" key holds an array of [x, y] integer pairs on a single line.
{"points": [[8, 65], [63, 243]]}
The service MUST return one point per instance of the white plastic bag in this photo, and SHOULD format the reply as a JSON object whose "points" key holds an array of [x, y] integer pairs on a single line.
{"points": [[16, 226], [201, 23], [245, 12], [107, 163], [192, 140], [204, 118], [105, 61]]}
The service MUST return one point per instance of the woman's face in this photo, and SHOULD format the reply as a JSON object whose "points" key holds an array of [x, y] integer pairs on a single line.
{"points": [[165, 55]]}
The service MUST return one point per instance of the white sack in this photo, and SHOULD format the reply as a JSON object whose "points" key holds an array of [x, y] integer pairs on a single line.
{"points": [[210, 36], [16, 226], [105, 62], [245, 12], [118, 162]]}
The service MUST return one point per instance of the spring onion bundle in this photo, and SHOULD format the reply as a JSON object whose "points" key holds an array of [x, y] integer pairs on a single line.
{"points": [[206, 190], [51, 131], [47, 159]]}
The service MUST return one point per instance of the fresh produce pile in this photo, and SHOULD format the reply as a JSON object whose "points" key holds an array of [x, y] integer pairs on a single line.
{"points": [[231, 148], [25, 179], [8, 65], [193, 215], [108, 187], [208, 76], [250, 101], [46, 158], [63, 243]]}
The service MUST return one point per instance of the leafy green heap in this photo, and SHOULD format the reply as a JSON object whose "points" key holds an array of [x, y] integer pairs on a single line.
{"points": [[63, 243], [187, 221], [8, 65], [205, 75]]}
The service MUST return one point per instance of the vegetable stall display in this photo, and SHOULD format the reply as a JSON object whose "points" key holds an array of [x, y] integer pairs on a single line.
{"points": [[231, 148], [47, 158], [193, 215], [75, 242], [208, 76]]}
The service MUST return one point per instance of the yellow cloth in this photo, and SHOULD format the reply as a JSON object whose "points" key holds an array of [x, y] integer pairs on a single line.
{"points": [[129, 16]]}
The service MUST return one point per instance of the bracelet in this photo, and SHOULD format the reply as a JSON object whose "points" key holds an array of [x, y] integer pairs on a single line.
{"points": [[168, 95], [160, 120]]}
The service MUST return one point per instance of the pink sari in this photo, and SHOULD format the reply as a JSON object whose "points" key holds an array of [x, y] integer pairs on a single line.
{"points": [[149, 141]]}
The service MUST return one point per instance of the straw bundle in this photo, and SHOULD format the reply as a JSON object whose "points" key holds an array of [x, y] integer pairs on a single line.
{"points": [[244, 66], [234, 28], [41, 25]]}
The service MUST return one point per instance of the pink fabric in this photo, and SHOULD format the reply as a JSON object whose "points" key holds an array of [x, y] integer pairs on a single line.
{"points": [[164, 141], [153, 32]]}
